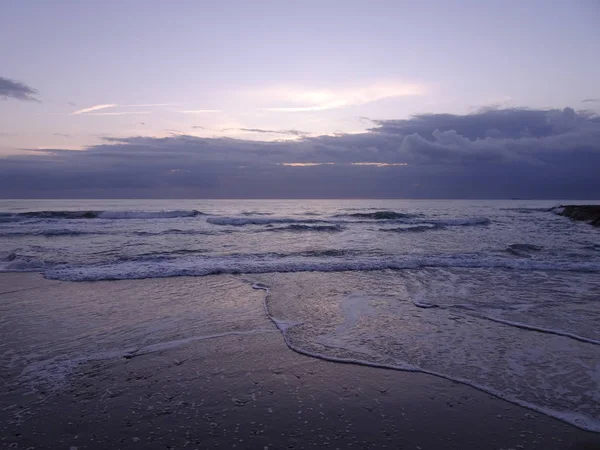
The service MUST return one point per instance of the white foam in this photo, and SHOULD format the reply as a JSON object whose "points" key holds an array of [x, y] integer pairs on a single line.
{"points": [[539, 329], [451, 222], [19, 265], [162, 346], [201, 266], [282, 325], [579, 420], [54, 372]]}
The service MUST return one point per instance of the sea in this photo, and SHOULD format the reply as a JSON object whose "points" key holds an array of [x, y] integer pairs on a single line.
{"points": [[503, 296]]}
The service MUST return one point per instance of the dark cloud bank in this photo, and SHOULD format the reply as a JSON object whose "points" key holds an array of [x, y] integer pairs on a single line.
{"points": [[12, 89], [490, 154]]}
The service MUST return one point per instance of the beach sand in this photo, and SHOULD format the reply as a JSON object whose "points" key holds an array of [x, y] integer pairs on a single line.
{"points": [[218, 380]]}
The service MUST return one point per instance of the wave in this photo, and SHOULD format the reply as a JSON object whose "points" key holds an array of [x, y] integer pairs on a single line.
{"points": [[54, 372], [50, 233], [256, 213], [15, 217], [539, 329], [66, 232], [451, 222], [419, 225], [527, 210], [574, 418], [249, 263], [241, 221], [15, 264], [8, 256], [378, 215], [182, 232], [472, 312], [413, 228], [523, 249], [298, 227], [47, 233], [460, 222], [158, 256], [148, 214]]}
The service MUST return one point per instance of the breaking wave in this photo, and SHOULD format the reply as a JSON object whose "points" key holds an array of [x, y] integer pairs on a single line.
{"points": [[250, 263], [241, 221], [379, 215], [16, 217], [450, 222], [413, 228], [48, 233], [181, 232]]}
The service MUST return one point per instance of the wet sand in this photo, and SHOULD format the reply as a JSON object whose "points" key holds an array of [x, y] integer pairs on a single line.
{"points": [[245, 390]]}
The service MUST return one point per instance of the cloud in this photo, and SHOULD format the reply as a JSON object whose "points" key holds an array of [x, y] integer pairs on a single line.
{"points": [[488, 154], [93, 108], [307, 108], [512, 123], [120, 113], [591, 100], [288, 132], [200, 111], [379, 164], [61, 135], [147, 105], [305, 100], [16, 90], [306, 164]]}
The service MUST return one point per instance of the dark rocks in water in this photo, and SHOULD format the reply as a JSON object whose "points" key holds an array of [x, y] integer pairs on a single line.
{"points": [[587, 213]]}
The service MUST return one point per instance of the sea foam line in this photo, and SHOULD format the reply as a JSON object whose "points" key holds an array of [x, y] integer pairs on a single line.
{"points": [[511, 323], [578, 420], [211, 265], [59, 368], [525, 326]]}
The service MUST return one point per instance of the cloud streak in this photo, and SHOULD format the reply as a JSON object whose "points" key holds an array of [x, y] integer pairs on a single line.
{"points": [[306, 100], [91, 111], [12, 89], [201, 111], [93, 108], [121, 113]]}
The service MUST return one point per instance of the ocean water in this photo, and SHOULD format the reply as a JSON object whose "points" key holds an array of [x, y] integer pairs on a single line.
{"points": [[500, 295]]}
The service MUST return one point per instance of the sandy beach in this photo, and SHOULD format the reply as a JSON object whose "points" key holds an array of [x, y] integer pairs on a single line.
{"points": [[222, 380]]}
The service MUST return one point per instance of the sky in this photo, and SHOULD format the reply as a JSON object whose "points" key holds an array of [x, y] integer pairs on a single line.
{"points": [[265, 99]]}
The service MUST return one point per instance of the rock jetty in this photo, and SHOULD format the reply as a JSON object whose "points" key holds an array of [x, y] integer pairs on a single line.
{"points": [[587, 213]]}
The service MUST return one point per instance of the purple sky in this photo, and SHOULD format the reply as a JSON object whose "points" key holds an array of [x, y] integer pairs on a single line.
{"points": [[316, 74]]}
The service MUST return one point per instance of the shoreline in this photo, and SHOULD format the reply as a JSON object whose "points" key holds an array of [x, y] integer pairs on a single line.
{"points": [[249, 389]]}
